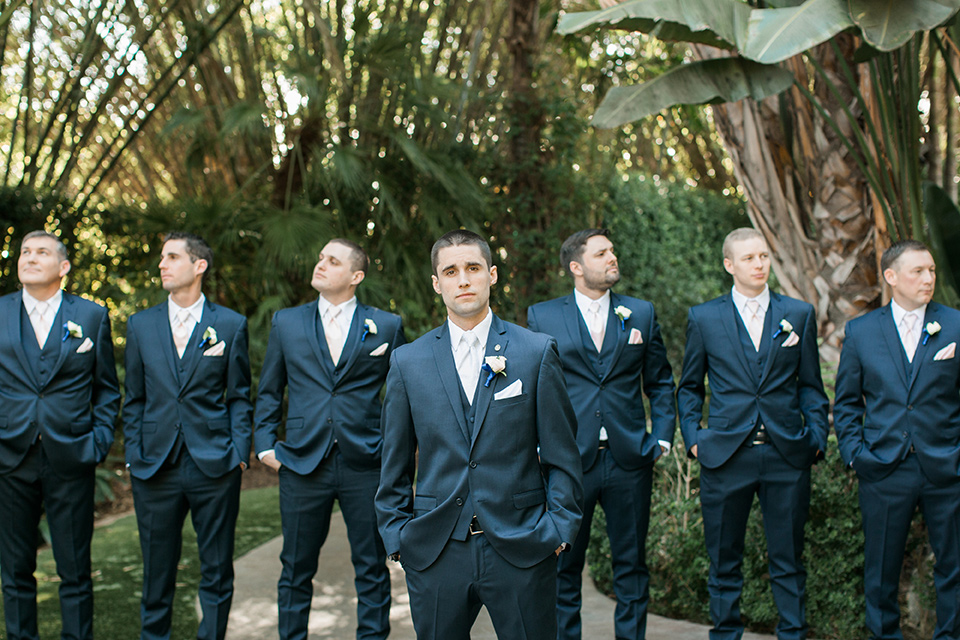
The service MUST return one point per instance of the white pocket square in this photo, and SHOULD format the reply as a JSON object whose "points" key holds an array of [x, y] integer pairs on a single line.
{"points": [[216, 350], [947, 352], [85, 346], [791, 340], [635, 337], [382, 349], [513, 390]]}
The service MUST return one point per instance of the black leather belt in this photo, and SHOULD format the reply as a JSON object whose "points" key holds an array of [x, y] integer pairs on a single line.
{"points": [[761, 436], [475, 527], [603, 445]]}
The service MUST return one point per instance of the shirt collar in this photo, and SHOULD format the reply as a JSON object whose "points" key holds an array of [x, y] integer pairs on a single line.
{"points": [[30, 303], [584, 302], [346, 308], [482, 330], [195, 310], [898, 313], [741, 300]]}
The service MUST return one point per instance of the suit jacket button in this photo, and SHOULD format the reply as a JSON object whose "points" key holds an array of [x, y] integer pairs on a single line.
{"points": [[473, 464], [598, 414], [333, 395], [601, 387], [329, 420], [459, 502], [180, 400], [904, 434], [909, 407]]}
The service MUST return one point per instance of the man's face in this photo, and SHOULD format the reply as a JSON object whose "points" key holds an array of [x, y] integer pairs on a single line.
{"points": [[913, 278], [334, 273], [598, 266], [177, 270], [749, 266], [463, 280], [39, 264]]}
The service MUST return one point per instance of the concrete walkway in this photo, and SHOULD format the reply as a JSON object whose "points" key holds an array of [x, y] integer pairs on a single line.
{"points": [[333, 615]]}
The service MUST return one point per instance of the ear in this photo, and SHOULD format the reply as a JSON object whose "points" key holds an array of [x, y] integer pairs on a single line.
{"points": [[64, 268], [357, 278], [493, 275], [728, 265], [200, 266], [436, 285], [576, 268], [890, 275]]}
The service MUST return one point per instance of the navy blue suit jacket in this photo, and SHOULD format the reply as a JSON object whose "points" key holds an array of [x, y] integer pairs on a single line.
{"points": [[527, 505], [883, 406], [788, 397], [205, 398], [614, 398], [325, 403], [76, 409]]}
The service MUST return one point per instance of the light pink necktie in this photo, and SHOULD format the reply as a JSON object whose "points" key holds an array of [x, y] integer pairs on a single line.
{"points": [[909, 334], [334, 334], [180, 333], [40, 322], [596, 325], [755, 323]]}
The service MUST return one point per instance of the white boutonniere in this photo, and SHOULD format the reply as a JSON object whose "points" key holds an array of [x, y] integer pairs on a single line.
{"points": [[209, 338], [71, 330], [494, 366], [932, 329], [785, 327], [624, 314], [369, 328]]}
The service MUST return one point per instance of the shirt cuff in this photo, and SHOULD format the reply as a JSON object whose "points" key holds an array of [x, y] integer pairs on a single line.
{"points": [[666, 446], [264, 454]]}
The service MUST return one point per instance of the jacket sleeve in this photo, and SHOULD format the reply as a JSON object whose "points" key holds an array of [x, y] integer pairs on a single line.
{"points": [[849, 407], [273, 380], [105, 399], [814, 404], [691, 391], [134, 394], [658, 383]]}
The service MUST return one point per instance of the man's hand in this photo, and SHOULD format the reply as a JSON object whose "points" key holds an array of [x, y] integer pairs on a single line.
{"points": [[271, 461], [693, 451], [243, 466]]}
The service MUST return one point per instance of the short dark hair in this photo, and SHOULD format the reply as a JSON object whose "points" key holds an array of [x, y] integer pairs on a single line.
{"points": [[197, 248], [897, 249], [61, 248], [456, 238], [572, 248], [358, 257]]}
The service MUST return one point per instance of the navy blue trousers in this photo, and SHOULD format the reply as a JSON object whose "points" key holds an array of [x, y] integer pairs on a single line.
{"points": [[726, 496], [162, 503], [68, 501], [887, 506], [624, 495], [306, 504]]}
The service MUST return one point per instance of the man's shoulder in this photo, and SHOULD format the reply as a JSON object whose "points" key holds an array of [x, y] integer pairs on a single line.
{"points": [[953, 315], [378, 315], [793, 303], [226, 314], [156, 311], [550, 305], [710, 305], [290, 313]]}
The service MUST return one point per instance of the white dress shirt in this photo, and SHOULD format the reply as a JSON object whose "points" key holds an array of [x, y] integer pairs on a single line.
{"points": [[481, 331], [898, 313], [53, 307], [194, 311], [345, 319], [740, 302]]}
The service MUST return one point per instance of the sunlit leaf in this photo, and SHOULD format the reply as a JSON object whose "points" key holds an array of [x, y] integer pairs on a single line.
{"points": [[888, 24]]}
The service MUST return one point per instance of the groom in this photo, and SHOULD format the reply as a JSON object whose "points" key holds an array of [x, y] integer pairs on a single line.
{"points": [[476, 411]]}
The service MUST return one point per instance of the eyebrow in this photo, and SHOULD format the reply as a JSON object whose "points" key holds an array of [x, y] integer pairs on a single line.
{"points": [[453, 266]]}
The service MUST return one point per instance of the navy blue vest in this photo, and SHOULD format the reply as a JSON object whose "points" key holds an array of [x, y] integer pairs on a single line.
{"points": [[44, 360], [601, 360], [756, 359], [462, 528]]}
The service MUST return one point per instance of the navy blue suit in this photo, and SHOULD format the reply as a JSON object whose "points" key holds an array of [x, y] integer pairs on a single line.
{"points": [[331, 452], [511, 462], [780, 388], [606, 389], [187, 428], [898, 425], [57, 414]]}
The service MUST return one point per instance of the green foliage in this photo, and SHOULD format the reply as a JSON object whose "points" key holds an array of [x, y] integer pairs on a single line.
{"points": [[118, 571], [668, 239]]}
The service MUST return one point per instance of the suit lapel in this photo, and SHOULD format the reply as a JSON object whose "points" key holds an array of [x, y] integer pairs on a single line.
{"points": [[920, 356], [352, 345], [164, 337], [496, 338], [447, 370], [14, 331], [68, 313], [193, 352], [729, 317], [620, 332], [892, 339], [770, 325], [572, 320], [311, 315]]}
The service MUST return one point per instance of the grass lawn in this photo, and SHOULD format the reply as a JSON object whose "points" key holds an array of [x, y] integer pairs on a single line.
{"points": [[118, 571]]}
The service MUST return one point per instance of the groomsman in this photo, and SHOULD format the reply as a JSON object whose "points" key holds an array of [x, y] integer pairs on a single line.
{"points": [[187, 430], [612, 355], [332, 355], [59, 399], [477, 414], [897, 415], [767, 425]]}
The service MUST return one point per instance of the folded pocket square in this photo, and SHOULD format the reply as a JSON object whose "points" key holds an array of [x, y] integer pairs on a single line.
{"points": [[947, 352], [635, 337], [791, 340], [216, 350], [513, 390], [382, 349], [85, 346]]}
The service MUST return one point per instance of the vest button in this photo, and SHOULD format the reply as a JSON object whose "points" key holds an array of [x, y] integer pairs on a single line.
{"points": [[459, 502], [473, 464]]}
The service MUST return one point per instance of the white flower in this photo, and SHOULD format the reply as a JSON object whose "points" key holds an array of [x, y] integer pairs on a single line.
{"points": [[623, 313], [72, 330], [933, 328], [369, 328], [497, 364], [209, 337], [785, 326]]}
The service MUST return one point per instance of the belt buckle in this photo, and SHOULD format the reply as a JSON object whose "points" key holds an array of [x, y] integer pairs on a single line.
{"points": [[474, 528]]}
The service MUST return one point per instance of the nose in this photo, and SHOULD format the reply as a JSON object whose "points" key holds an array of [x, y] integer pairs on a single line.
{"points": [[464, 280]]}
